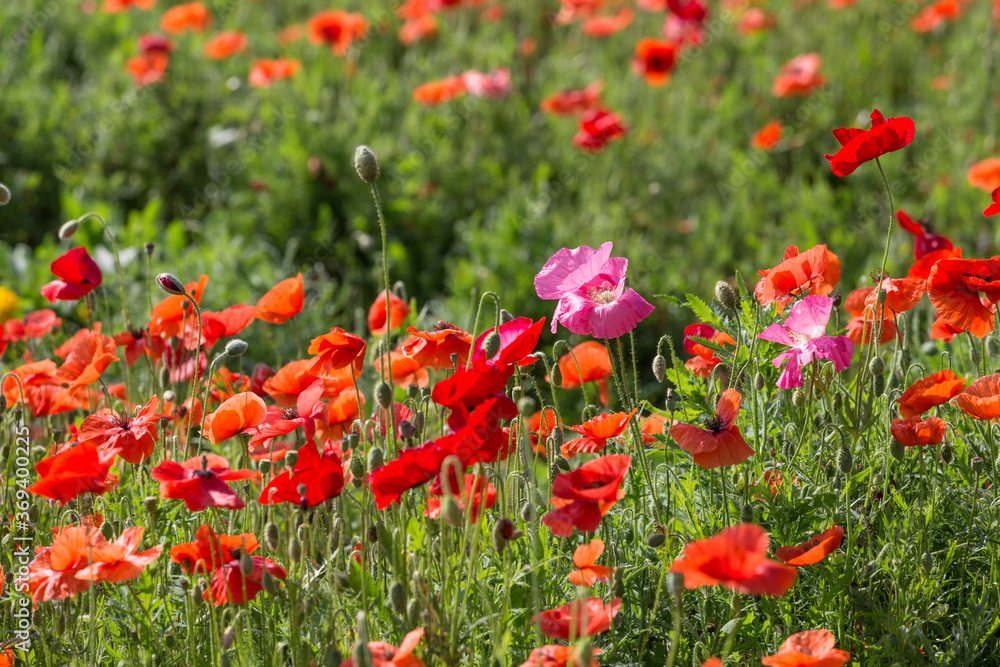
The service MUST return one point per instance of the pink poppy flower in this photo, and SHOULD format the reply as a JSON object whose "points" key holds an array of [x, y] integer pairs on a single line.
{"points": [[803, 332], [493, 84], [590, 287]]}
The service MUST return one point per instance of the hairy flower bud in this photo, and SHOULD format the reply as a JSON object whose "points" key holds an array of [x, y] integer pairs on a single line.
{"points": [[671, 400], [897, 450], [659, 367], [876, 366], [656, 540], [375, 458], [295, 549], [236, 347], [68, 229], [271, 534], [845, 460], [383, 395], [527, 512], [927, 562], [397, 597], [366, 164], [228, 637], [170, 284], [758, 382], [798, 398], [947, 454], [726, 296], [527, 406], [4, 195], [357, 465], [491, 346], [555, 377]]}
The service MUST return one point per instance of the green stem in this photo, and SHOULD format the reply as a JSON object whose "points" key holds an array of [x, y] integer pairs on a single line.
{"points": [[194, 375]]}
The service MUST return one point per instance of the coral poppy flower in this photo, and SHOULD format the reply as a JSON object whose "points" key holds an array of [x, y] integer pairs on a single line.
{"points": [[87, 355], [590, 287], [193, 16], [230, 586], [540, 427], [720, 443], [587, 572], [580, 618], [201, 482], [404, 371], [901, 294], [598, 128], [914, 431], [584, 495], [132, 438], [921, 269], [767, 137], [77, 470], [935, 15], [134, 343], [605, 26], [42, 393], [981, 400], [282, 302], [36, 324], [755, 20], [419, 28], [387, 655], [241, 413], [226, 44], [52, 575], [556, 655], [220, 555], [120, 560], [652, 426], [812, 648], [336, 28], [569, 102], [815, 271], [518, 339], [736, 558], [336, 350], [293, 378], [985, 174], [209, 551], [474, 488], [398, 312], [322, 475], [596, 433], [78, 276], [799, 76], [859, 146], [926, 241], [704, 359], [265, 72], [435, 348], [147, 69], [587, 362], [928, 392], [493, 85], [993, 208], [654, 60], [414, 466], [954, 288], [861, 327], [434, 93], [116, 6], [812, 550], [803, 333]]}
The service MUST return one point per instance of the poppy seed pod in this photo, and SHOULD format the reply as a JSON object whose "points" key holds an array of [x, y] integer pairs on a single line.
{"points": [[659, 367], [236, 347], [897, 450], [4, 195], [845, 460], [491, 346], [353, 439], [149, 249], [264, 466], [516, 392], [271, 534], [397, 597], [977, 464], [150, 503], [366, 164], [798, 398], [375, 459], [170, 284], [413, 391], [68, 229], [383, 395], [656, 540], [726, 296], [291, 458]]}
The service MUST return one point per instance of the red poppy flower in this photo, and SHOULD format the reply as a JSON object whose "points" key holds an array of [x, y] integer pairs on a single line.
{"points": [[587, 362], [598, 128], [165, 321], [209, 551], [768, 136], [518, 339], [418, 28], [813, 272], [222, 324], [77, 470], [799, 76], [414, 466], [926, 241], [387, 655], [596, 433], [955, 286], [915, 431], [336, 350], [921, 269], [435, 348], [862, 324], [812, 648], [605, 26], [36, 324], [221, 555], [321, 474], [265, 72], [584, 495], [472, 386], [737, 559], [755, 20], [120, 560], [147, 68], [569, 102], [132, 438], [116, 6], [981, 400], [985, 174], [928, 392], [42, 393], [720, 443], [336, 28], [193, 16], [282, 302], [556, 655], [993, 208], [403, 370], [434, 93], [901, 294], [704, 359], [293, 378], [242, 412], [814, 549], [859, 146], [588, 572], [935, 14], [87, 354], [398, 312], [474, 488], [201, 482], [78, 276], [580, 618], [226, 44]]}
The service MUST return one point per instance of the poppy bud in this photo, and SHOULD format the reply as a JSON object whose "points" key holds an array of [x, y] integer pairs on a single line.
{"points": [[726, 296], [295, 549], [107, 530], [383, 395], [527, 512], [454, 359], [555, 377], [516, 393], [505, 316], [413, 612], [659, 367], [228, 637], [947, 454], [366, 164], [897, 450], [491, 346], [451, 511], [503, 532], [236, 347], [927, 562], [974, 354], [170, 284], [68, 229], [352, 440], [357, 465], [527, 406], [269, 583], [406, 431], [165, 380], [675, 584], [671, 401], [845, 460], [418, 421], [554, 471], [185, 583], [197, 595], [413, 391], [335, 535], [878, 385], [561, 462], [4, 195], [291, 458], [798, 398], [876, 366], [746, 513], [375, 459], [977, 464], [397, 597], [246, 563], [558, 437], [264, 466], [722, 374], [271, 534], [837, 401], [150, 503], [372, 534], [656, 540], [333, 657]]}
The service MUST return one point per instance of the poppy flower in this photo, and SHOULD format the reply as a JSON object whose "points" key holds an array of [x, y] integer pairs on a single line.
{"points": [[584, 495], [321, 473], [36, 324], [580, 618], [914, 431], [590, 287], [209, 551], [767, 137], [414, 466], [78, 276], [981, 400], [812, 550], [398, 312], [901, 294], [935, 15], [861, 327], [985, 174], [736, 558], [86, 356], [799, 76], [704, 359], [387, 655], [435, 348], [193, 16], [120, 560], [689, 10], [597, 128], [265, 72], [921, 269], [403, 370], [755, 20], [41, 391], [132, 438], [116, 6], [166, 318], [77, 470], [540, 426], [587, 572], [587, 362], [596, 433], [474, 488], [815, 271], [230, 586], [720, 442], [226, 44], [147, 68], [242, 412], [201, 482], [569, 102], [493, 85], [859, 146], [926, 241], [654, 60], [993, 208], [928, 392], [52, 575], [337, 29], [418, 28], [605, 26], [812, 648], [221, 324], [336, 350], [518, 339], [557, 655], [282, 302], [434, 93], [803, 333], [964, 291], [220, 555], [652, 426], [295, 377]]}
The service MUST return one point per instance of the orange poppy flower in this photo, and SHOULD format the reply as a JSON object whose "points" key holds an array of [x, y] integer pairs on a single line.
{"points": [[398, 311], [605, 26], [240, 413], [914, 431], [570, 102], [720, 443], [52, 574], [594, 366], [859, 328], [812, 648], [815, 271], [935, 15], [557, 655], [540, 428], [921, 269], [654, 60], [580, 618], [434, 348], [282, 302], [226, 44], [336, 28], [928, 392], [651, 426], [148, 68], [120, 560], [77, 470], [387, 655], [768, 136], [596, 433], [981, 400], [941, 330], [405, 371], [132, 438], [712, 662], [166, 318], [295, 377], [704, 360], [416, 29], [587, 573], [265, 72], [814, 549], [434, 93], [290, 35], [88, 356], [43, 395], [116, 6], [336, 350], [902, 294], [799, 76], [193, 16], [737, 559], [985, 174], [955, 287]]}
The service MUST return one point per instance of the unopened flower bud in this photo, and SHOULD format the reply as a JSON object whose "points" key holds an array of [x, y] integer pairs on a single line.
{"points": [[555, 377], [675, 584], [558, 437], [372, 534], [798, 398], [397, 597], [228, 637], [170, 284], [236, 347], [198, 595], [527, 406], [413, 611], [746, 513], [726, 296], [291, 458], [418, 421], [357, 465], [451, 511], [527, 512], [503, 532], [383, 395], [759, 382], [271, 534], [974, 354], [4, 195], [165, 380], [375, 459], [876, 366], [68, 229], [897, 450], [295, 549], [845, 460], [366, 164], [837, 401], [150, 502], [491, 346], [671, 400], [656, 540], [561, 462], [947, 454], [659, 367]]}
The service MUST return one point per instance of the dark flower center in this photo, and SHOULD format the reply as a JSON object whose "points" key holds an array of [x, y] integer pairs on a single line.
{"points": [[290, 413], [714, 424]]}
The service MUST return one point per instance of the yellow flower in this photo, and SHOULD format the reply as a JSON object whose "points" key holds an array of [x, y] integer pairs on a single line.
{"points": [[8, 304]]}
